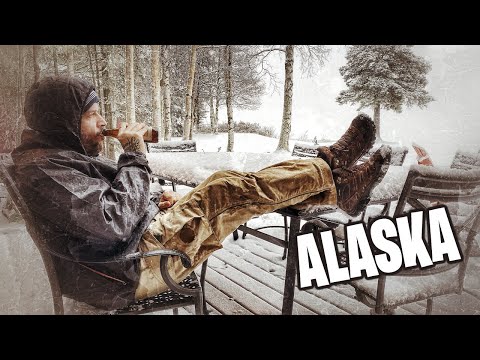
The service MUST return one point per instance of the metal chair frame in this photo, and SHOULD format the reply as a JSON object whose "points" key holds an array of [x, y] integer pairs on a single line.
{"points": [[423, 187], [189, 292]]}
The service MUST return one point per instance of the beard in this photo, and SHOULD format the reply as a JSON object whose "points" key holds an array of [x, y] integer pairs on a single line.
{"points": [[93, 145]]}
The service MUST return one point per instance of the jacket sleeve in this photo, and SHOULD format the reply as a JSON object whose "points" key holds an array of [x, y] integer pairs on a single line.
{"points": [[99, 214]]}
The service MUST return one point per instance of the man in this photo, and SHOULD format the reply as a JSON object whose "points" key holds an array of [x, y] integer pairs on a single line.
{"points": [[90, 207]]}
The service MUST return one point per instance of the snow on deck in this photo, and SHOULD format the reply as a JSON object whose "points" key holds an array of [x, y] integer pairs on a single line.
{"points": [[246, 277]]}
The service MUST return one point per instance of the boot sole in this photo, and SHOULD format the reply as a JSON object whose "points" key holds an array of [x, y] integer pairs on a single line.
{"points": [[363, 202], [371, 128], [325, 153]]}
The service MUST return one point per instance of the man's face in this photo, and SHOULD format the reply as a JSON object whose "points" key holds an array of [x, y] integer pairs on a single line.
{"points": [[91, 127]]}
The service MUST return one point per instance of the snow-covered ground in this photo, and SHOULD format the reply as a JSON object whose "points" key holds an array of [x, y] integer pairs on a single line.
{"points": [[255, 143], [449, 122], [242, 143]]}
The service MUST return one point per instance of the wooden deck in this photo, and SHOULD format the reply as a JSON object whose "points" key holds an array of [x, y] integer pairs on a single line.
{"points": [[246, 277]]}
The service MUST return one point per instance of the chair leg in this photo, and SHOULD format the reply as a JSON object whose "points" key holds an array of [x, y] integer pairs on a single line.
{"points": [[379, 306], [202, 283], [175, 311], [58, 308], [235, 234], [285, 249], [244, 234], [362, 218], [429, 306], [199, 303], [291, 270]]}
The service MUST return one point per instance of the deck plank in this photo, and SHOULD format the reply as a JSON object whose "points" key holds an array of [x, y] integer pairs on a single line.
{"points": [[254, 280], [222, 303], [453, 304], [272, 262], [211, 311], [246, 277], [239, 294], [301, 298], [472, 278]]}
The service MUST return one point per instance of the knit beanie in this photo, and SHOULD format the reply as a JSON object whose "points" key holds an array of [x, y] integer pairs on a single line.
{"points": [[91, 99]]}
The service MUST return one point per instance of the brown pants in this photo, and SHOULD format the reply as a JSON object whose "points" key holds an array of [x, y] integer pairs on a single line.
{"points": [[202, 219]]}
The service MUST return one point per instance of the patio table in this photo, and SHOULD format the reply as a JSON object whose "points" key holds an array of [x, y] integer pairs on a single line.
{"points": [[192, 168]]}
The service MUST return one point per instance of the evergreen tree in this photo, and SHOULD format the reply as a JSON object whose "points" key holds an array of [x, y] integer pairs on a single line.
{"points": [[387, 76]]}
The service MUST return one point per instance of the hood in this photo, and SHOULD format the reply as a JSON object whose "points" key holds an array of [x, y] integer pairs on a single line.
{"points": [[53, 108]]}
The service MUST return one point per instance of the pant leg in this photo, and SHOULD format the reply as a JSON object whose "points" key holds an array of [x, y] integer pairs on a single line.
{"points": [[202, 219]]}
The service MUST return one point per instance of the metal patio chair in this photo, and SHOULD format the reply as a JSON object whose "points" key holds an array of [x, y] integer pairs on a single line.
{"points": [[189, 292], [426, 187]]}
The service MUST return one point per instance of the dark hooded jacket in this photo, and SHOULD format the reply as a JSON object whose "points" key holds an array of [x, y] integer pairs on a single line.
{"points": [[90, 208]]}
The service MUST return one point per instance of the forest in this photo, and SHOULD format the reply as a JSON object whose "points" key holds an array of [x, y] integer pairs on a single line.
{"points": [[178, 89], [174, 88]]}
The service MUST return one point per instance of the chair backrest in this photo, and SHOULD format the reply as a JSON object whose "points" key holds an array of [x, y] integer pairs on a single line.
{"points": [[459, 190], [465, 160], [399, 154], [173, 146], [305, 150], [176, 297], [7, 176]]}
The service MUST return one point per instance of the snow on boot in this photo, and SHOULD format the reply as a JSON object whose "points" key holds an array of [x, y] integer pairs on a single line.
{"points": [[353, 144], [355, 185]]}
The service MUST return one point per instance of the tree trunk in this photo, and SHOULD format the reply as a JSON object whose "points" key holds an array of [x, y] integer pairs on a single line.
{"points": [[161, 133], [20, 124], [36, 66], [70, 64], [217, 105], [157, 119], [55, 60], [195, 106], [376, 120], [195, 114], [211, 68], [228, 92], [107, 97], [212, 110], [99, 80], [217, 90], [130, 83], [167, 123], [287, 100], [188, 98], [92, 71]]}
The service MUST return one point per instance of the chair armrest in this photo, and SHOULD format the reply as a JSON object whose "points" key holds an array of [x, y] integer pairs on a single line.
{"points": [[186, 262], [436, 269], [163, 253]]}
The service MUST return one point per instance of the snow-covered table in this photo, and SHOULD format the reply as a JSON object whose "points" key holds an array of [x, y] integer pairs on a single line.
{"points": [[192, 168]]}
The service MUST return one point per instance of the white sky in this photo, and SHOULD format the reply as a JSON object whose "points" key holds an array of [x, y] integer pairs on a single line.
{"points": [[452, 121]]}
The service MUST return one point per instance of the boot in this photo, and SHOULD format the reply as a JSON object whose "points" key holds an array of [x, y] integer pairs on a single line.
{"points": [[356, 141], [355, 185]]}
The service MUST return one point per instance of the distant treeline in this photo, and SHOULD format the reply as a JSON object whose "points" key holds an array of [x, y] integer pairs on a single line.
{"points": [[240, 127]]}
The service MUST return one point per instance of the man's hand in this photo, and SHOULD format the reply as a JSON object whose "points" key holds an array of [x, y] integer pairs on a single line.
{"points": [[167, 199], [131, 136]]}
